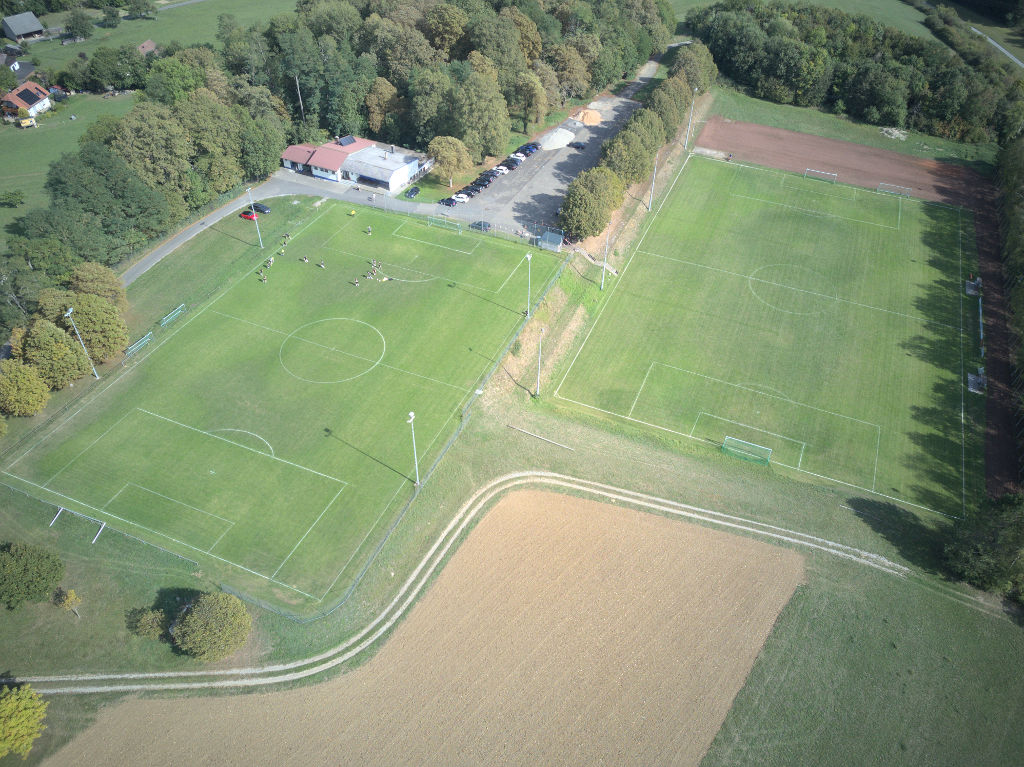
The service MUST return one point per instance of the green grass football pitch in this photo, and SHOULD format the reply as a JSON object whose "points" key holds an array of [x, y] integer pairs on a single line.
{"points": [[268, 431], [825, 322]]}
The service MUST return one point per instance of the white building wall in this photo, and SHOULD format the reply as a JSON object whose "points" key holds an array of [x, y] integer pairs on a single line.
{"points": [[328, 175]]}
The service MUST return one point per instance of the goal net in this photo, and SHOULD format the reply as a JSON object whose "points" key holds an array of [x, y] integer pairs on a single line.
{"points": [[821, 175], [444, 223], [747, 451], [902, 191]]}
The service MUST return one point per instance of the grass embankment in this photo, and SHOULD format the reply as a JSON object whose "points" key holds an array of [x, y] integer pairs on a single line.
{"points": [[28, 152], [186, 24]]}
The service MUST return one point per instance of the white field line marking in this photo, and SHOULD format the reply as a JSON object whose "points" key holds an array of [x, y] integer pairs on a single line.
{"points": [[370, 529], [166, 498], [434, 244], [84, 450], [509, 277], [611, 292], [637, 397], [815, 192], [815, 213], [800, 461], [339, 351], [244, 447], [125, 372], [766, 394], [329, 503], [251, 434], [340, 229], [751, 278], [694, 427], [433, 559], [899, 214], [878, 446], [754, 428], [895, 498], [74, 501]]}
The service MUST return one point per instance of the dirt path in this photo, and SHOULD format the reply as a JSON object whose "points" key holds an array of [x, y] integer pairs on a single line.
{"points": [[930, 180], [563, 631]]}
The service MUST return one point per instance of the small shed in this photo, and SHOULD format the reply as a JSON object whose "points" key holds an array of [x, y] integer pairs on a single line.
{"points": [[551, 240], [22, 26]]}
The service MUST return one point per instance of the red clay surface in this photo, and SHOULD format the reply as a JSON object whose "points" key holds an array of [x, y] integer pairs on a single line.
{"points": [[930, 180]]}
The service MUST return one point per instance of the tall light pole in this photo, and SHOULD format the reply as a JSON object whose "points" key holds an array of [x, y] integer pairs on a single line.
{"points": [[540, 346], [529, 285], [690, 121], [415, 459], [255, 215], [67, 315], [605, 267]]}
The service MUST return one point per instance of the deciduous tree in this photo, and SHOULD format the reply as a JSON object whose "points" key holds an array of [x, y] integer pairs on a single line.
{"points": [[58, 357], [98, 280], [987, 549], [12, 198], [100, 324], [22, 390], [22, 711], [216, 626], [450, 156], [381, 105], [27, 573], [445, 26], [78, 24]]}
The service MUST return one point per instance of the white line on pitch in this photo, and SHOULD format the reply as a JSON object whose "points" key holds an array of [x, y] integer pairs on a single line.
{"points": [[923, 320], [635, 399], [244, 447], [329, 503]]}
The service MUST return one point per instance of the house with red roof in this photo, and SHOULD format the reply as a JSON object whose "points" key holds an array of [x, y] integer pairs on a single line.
{"points": [[30, 96], [350, 158]]}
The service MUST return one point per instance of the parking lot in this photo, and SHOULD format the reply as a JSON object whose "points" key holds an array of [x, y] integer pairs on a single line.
{"points": [[531, 195]]}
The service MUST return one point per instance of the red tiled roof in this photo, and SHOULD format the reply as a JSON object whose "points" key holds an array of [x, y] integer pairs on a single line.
{"points": [[329, 156], [299, 153], [24, 96]]}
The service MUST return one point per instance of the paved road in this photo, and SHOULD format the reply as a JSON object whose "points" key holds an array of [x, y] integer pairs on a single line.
{"points": [[1005, 52]]}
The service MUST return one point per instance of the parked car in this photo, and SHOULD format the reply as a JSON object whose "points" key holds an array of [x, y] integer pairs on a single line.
{"points": [[511, 164], [483, 226], [412, 192], [468, 191], [513, 159], [249, 214], [518, 155], [490, 175], [534, 145], [500, 169], [259, 207], [448, 202], [577, 145], [460, 197], [484, 181], [526, 149]]}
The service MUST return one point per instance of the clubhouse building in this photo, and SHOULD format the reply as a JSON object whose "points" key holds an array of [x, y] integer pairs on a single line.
{"points": [[357, 160]]}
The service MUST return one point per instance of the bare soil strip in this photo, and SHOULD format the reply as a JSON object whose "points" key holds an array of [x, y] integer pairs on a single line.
{"points": [[930, 180], [562, 631]]}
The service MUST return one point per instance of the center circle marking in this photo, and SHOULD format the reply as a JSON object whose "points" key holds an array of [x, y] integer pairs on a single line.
{"points": [[364, 327], [825, 292]]}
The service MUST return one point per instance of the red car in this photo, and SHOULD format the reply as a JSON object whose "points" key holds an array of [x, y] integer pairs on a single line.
{"points": [[251, 215]]}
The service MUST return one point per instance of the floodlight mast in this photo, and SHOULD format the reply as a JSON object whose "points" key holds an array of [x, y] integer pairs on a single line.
{"points": [[67, 315], [529, 286], [415, 459], [255, 216], [540, 347]]}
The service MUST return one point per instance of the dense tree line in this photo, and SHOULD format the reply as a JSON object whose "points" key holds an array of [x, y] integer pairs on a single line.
{"points": [[195, 133], [628, 157], [822, 57], [408, 72], [40, 7]]}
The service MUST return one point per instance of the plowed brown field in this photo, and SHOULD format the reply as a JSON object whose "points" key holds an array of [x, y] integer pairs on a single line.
{"points": [[562, 631]]}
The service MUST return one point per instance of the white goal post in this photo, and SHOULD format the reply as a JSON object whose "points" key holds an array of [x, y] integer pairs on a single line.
{"points": [[444, 223], [901, 191], [821, 175]]}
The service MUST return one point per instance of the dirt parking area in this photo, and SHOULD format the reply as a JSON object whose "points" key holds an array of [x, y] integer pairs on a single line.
{"points": [[563, 631]]}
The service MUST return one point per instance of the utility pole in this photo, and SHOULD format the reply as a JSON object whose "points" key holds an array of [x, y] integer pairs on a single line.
{"points": [[297, 90]]}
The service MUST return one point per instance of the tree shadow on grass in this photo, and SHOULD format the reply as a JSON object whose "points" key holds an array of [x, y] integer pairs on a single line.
{"points": [[468, 292], [918, 543]]}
